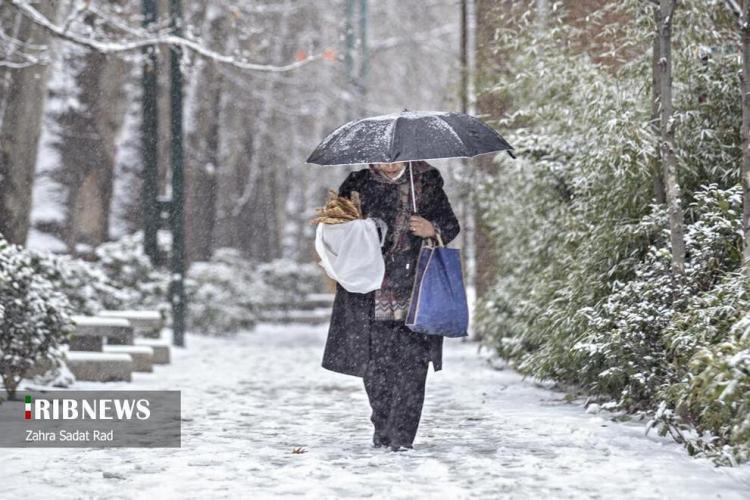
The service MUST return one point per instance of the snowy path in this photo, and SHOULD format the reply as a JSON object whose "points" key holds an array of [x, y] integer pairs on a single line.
{"points": [[249, 400]]}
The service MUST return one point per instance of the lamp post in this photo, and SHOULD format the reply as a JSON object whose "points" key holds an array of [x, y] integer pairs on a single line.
{"points": [[149, 134], [356, 83], [364, 63], [349, 53], [177, 288]]}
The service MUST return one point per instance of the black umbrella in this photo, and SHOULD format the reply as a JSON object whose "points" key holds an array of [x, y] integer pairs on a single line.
{"points": [[409, 135]]}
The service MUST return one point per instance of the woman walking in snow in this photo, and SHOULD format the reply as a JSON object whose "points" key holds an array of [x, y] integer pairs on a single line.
{"points": [[367, 336]]}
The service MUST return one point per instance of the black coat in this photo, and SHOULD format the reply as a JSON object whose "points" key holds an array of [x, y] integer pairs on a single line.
{"points": [[348, 343]]}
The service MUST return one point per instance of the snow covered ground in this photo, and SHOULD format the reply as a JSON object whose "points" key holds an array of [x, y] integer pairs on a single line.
{"points": [[485, 433]]}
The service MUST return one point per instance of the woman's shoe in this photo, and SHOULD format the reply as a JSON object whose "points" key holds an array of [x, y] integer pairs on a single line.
{"points": [[401, 447], [379, 441]]}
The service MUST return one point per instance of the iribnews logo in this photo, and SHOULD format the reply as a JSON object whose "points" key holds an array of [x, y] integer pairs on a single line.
{"points": [[96, 409]]}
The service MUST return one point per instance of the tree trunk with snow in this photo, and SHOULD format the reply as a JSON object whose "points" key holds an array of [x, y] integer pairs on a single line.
{"points": [[202, 150], [22, 96], [87, 146], [745, 27], [257, 210], [669, 161], [488, 66], [658, 179]]}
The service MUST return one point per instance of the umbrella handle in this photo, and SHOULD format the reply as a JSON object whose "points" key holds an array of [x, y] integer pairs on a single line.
{"points": [[411, 179]]}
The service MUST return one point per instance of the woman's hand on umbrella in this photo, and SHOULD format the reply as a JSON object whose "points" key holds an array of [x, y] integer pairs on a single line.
{"points": [[421, 227]]}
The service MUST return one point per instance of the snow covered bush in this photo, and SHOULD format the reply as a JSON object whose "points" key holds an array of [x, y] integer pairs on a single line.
{"points": [[717, 399], [226, 293], [223, 294], [638, 331], [583, 291], [287, 281], [85, 285], [34, 316], [708, 392], [129, 270]]}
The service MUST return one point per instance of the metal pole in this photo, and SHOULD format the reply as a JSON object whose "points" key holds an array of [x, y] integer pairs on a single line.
{"points": [[411, 180], [177, 295], [364, 63], [149, 139], [464, 57], [349, 52]]}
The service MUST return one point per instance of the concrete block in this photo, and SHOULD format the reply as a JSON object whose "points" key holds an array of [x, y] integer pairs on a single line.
{"points": [[86, 343], [145, 323], [100, 366], [115, 330], [142, 355], [161, 347], [308, 317]]}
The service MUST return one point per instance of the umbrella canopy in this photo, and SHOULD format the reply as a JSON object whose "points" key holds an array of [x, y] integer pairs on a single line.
{"points": [[408, 136]]}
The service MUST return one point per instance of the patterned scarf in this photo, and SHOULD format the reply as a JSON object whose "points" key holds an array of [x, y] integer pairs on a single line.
{"points": [[392, 299]]}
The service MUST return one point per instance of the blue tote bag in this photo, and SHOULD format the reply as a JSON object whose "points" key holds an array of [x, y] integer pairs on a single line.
{"points": [[438, 300]]}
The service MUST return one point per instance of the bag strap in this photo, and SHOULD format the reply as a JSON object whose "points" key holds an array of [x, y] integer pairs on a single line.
{"points": [[439, 238], [431, 243]]}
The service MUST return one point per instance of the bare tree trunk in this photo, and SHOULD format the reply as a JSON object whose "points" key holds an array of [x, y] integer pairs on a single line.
{"points": [[22, 96], [203, 185], [87, 147], [202, 152], [488, 66], [745, 24], [658, 180], [229, 179], [669, 162], [256, 211], [464, 57]]}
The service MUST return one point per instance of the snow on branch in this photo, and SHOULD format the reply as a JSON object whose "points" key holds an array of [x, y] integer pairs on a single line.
{"points": [[734, 7], [742, 17], [16, 54], [20, 64], [147, 40]]}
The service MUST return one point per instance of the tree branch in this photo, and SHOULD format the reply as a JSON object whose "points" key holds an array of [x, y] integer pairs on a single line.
{"points": [[734, 7], [20, 65], [737, 11], [105, 47], [74, 14]]}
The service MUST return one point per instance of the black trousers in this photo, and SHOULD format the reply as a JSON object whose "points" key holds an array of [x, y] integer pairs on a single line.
{"points": [[395, 380]]}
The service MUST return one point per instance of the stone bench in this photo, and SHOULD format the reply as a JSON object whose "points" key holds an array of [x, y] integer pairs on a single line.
{"points": [[145, 323], [308, 317], [100, 366], [160, 347], [91, 331], [311, 302], [141, 355], [315, 300]]}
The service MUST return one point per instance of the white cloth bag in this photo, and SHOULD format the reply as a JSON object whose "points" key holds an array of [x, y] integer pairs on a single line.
{"points": [[350, 253]]}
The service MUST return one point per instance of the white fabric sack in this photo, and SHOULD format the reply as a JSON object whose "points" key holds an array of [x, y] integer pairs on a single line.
{"points": [[350, 254]]}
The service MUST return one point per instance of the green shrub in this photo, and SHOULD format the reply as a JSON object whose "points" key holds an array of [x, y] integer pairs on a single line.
{"points": [[583, 291], [34, 316]]}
